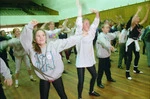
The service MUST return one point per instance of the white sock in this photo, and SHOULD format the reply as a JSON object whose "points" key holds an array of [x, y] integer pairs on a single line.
{"points": [[31, 76], [16, 82]]}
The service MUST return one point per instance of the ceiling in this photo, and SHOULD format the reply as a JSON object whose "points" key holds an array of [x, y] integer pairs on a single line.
{"points": [[67, 8]]}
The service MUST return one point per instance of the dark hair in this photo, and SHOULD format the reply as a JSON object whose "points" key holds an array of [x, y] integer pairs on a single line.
{"points": [[35, 45], [129, 23]]}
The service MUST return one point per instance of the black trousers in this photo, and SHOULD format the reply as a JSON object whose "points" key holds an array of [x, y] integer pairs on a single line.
{"points": [[45, 86], [131, 48], [2, 95], [3, 55], [104, 66], [81, 72]]}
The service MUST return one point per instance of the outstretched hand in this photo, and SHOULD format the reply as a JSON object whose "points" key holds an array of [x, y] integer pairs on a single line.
{"points": [[9, 82], [94, 11], [140, 8], [34, 22]]}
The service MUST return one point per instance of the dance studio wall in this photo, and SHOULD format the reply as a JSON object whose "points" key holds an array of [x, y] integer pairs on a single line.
{"points": [[126, 12]]}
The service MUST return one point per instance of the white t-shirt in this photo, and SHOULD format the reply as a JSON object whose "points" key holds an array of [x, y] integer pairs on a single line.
{"points": [[85, 51], [52, 35]]}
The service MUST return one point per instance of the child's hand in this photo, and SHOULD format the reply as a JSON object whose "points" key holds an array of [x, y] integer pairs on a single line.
{"points": [[34, 22], [9, 82], [93, 11], [112, 48], [140, 8]]}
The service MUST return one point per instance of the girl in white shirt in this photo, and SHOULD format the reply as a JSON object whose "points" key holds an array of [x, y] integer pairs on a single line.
{"points": [[85, 52], [52, 33]]}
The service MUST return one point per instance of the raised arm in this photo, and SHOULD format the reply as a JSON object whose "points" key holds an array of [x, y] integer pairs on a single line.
{"points": [[64, 25], [146, 15], [63, 44], [79, 8], [95, 23], [26, 37], [79, 24], [136, 15], [43, 26]]}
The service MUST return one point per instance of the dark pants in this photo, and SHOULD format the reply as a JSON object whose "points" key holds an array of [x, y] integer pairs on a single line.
{"points": [[11, 53], [131, 48], [122, 54], [2, 95], [45, 87], [3, 55], [104, 66], [75, 51], [66, 54], [81, 72]]}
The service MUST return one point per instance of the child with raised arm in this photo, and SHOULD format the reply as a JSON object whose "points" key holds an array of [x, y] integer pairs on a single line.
{"points": [[20, 55], [52, 33], [132, 42], [85, 52], [46, 59], [6, 73]]}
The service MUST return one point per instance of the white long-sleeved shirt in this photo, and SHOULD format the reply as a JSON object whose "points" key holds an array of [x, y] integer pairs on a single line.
{"points": [[48, 65], [4, 70], [123, 36], [85, 52], [103, 45]]}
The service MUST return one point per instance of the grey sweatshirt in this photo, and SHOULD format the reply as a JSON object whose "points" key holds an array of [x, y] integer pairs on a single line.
{"points": [[4, 70], [48, 65], [17, 47]]}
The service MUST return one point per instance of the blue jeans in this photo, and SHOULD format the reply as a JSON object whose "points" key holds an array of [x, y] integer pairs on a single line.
{"points": [[148, 52]]}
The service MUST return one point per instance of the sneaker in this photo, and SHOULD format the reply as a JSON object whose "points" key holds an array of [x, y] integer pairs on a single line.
{"points": [[128, 76], [94, 94], [33, 80], [100, 85], [69, 62], [16, 86], [112, 80], [137, 71]]}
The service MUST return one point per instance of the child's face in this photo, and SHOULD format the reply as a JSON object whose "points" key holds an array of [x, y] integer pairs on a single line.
{"points": [[51, 25], [106, 28], [86, 25], [17, 33], [40, 37]]}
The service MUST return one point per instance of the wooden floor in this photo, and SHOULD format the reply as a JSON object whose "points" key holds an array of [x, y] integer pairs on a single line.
{"points": [[138, 88]]}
